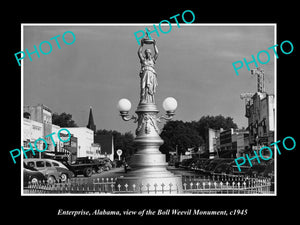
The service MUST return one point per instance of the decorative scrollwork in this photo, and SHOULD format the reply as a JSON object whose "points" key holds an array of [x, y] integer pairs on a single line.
{"points": [[145, 121], [126, 117]]}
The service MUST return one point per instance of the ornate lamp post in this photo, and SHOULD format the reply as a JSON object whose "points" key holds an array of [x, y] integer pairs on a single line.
{"points": [[149, 164]]}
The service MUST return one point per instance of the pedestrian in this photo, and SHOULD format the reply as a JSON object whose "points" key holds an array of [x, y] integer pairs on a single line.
{"points": [[125, 165]]}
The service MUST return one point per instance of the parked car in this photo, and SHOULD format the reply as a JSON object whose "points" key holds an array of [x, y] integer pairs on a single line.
{"points": [[185, 163], [245, 170], [32, 175], [269, 170], [258, 169], [51, 169], [84, 166], [212, 164], [106, 163], [192, 164], [200, 166], [199, 163], [177, 164], [209, 166], [223, 168], [118, 163]]}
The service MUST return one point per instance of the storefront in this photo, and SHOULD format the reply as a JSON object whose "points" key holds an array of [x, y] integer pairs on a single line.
{"points": [[32, 131], [85, 140]]}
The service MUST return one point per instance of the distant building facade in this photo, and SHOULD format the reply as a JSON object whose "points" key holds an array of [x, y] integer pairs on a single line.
{"points": [[233, 142], [32, 130], [227, 147], [242, 143], [213, 145], [37, 123], [42, 114], [260, 111], [85, 140]]}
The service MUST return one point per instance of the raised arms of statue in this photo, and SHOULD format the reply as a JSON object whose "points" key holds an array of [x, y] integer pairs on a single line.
{"points": [[140, 49], [140, 54]]}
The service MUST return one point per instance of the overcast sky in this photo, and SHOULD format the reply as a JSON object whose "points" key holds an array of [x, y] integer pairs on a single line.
{"points": [[194, 66]]}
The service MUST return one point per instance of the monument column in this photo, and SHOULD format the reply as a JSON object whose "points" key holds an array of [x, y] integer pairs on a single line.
{"points": [[149, 173]]}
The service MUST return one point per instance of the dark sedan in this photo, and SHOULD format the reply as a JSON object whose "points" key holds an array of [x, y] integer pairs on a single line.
{"points": [[32, 175]]}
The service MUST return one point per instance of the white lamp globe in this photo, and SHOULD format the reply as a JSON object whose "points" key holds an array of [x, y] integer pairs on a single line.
{"points": [[170, 104], [124, 105]]}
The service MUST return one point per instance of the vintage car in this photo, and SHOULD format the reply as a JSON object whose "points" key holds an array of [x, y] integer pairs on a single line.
{"points": [[53, 170], [32, 175]]}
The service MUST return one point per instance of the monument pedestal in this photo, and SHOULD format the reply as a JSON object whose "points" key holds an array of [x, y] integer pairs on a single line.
{"points": [[148, 164]]}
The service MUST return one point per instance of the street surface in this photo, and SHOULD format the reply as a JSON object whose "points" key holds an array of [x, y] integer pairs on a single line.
{"points": [[118, 172]]}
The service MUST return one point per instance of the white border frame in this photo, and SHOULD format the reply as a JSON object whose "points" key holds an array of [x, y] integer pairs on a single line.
{"points": [[149, 24]]}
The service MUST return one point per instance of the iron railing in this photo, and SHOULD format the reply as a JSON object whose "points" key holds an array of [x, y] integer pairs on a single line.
{"points": [[214, 184]]}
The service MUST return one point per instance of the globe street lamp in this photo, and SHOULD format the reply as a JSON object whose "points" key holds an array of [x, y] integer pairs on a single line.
{"points": [[169, 105], [124, 106], [148, 163]]}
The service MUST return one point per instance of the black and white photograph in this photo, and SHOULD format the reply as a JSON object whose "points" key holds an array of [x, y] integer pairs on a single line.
{"points": [[154, 115], [203, 140]]}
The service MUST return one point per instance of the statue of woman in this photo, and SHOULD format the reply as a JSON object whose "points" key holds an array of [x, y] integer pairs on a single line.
{"points": [[147, 73]]}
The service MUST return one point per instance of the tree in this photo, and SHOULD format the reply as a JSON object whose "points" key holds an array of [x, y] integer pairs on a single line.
{"points": [[184, 135], [63, 120], [121, 141], [179, 135], [214, 122]]}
